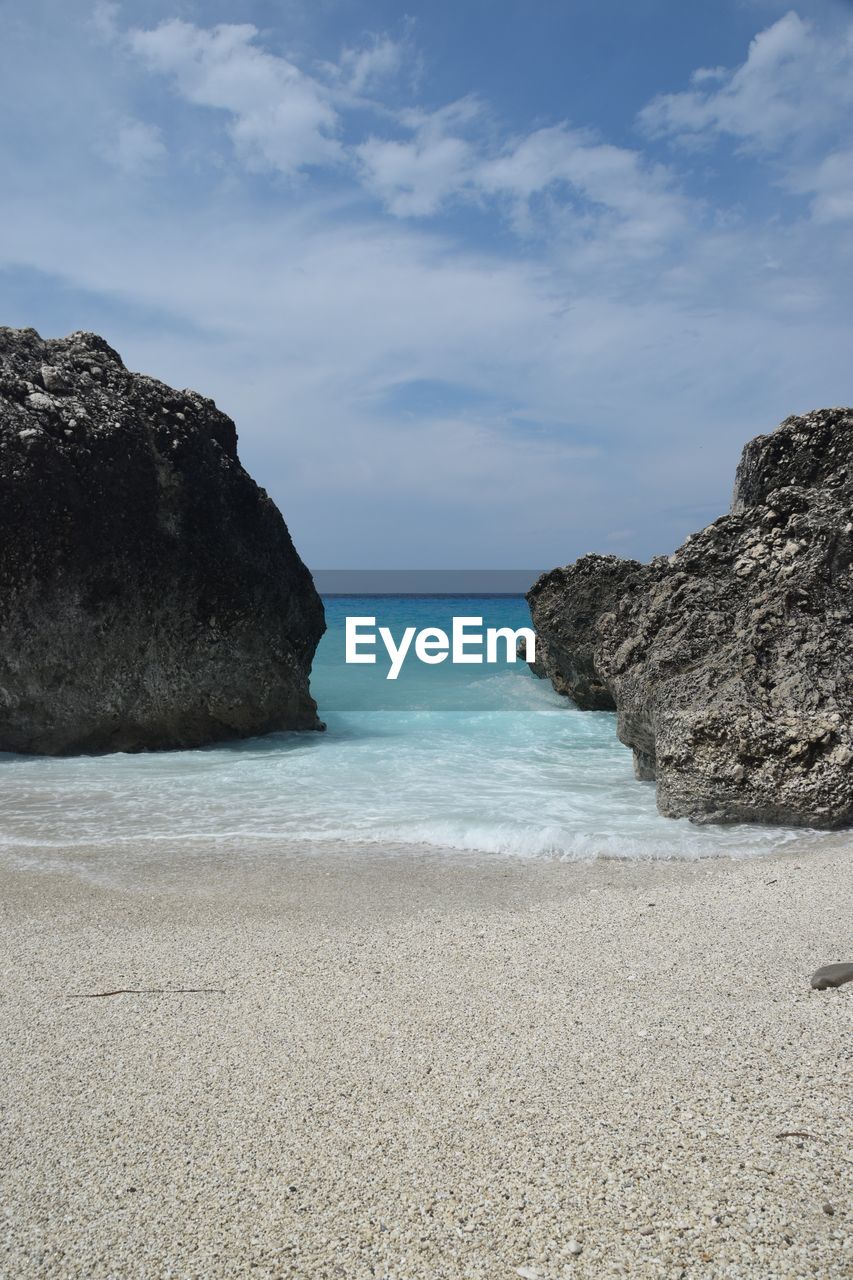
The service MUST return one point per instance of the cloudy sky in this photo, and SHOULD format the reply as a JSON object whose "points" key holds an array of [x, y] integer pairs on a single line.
{"points": [[483, 282]]}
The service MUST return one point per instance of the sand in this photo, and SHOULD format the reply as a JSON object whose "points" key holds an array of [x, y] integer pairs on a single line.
{"points": [[422, 1068]]}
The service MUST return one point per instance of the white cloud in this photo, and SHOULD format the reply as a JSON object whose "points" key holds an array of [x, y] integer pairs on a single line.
{"points": [[619, 358], [414, 179], [794, 87], [135, 148], [590, 178], [366, 67], [642, 196], [104, 19], [285, 119], [281, 118], [832, 185], [305, 327], [785, 103]]}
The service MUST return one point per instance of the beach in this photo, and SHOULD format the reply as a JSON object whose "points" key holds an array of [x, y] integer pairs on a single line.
{"points": [[417, 1066], [426, 641]]}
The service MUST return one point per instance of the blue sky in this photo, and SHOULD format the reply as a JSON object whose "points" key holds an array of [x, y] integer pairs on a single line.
{"points": [[488, 284]]}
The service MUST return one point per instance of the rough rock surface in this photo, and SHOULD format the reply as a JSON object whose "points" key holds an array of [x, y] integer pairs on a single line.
{"points": [[151, 594], [565, 638], [730, 662]]}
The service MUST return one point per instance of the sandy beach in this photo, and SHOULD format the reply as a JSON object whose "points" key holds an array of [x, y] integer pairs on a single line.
{"points": [[414, 1068]]}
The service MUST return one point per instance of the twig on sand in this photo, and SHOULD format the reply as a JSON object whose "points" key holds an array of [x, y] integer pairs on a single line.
{"points": [[149, 991], [797, 1133]]}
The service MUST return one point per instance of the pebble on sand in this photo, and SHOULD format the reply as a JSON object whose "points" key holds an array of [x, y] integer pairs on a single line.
{"points": [[832, 975]]}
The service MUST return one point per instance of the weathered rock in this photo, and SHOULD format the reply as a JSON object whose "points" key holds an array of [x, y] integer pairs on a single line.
{"points": [[730, 663], [565, 637], [151, 595]]}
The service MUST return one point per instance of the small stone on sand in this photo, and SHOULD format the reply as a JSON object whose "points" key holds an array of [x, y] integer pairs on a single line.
{"points": [[832, 975]]}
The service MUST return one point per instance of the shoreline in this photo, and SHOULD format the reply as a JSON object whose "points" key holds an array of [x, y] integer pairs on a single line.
{"points": [[430, 1068], [255, 855]]}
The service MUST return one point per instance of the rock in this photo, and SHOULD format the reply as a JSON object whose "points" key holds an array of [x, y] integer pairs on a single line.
{"points": [[535, 666], [832, 975], [730, 662], [565, 637], [151, 594]]}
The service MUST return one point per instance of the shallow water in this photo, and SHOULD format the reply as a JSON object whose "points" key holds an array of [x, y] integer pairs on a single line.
{"points": [[486, 759]]}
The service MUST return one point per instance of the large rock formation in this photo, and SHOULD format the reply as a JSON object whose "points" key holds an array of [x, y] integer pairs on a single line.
{"points": [[730, 663], [566, 637], [151, 595]]}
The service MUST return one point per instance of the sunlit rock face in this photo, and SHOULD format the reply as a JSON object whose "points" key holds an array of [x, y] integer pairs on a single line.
{"points": [[150, 594], [730, 663]]}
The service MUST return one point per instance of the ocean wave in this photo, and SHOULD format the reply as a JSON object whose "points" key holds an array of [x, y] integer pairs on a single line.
{"points": [[516, 772]]}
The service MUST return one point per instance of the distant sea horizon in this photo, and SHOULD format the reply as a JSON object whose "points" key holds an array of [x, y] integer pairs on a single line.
{"points": [[424, 582]]}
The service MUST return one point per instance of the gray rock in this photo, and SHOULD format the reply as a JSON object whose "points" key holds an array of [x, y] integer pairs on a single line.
{"points": [[565, 637], [730, 663], [832, 975], [151, 595], [535, 666]]}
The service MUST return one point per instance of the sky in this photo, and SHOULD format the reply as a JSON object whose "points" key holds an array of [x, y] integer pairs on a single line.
{"points": [[483, 283]]}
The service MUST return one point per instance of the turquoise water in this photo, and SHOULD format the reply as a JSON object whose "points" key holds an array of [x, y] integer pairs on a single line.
{"points": [[486, 759]]}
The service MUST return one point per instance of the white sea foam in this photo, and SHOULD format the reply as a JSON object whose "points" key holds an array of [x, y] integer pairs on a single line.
{"points": [[518, 773], [528, 784]]}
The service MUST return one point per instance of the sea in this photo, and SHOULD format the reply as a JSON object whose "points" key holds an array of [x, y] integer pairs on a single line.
{"points": [[472, 760]]}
